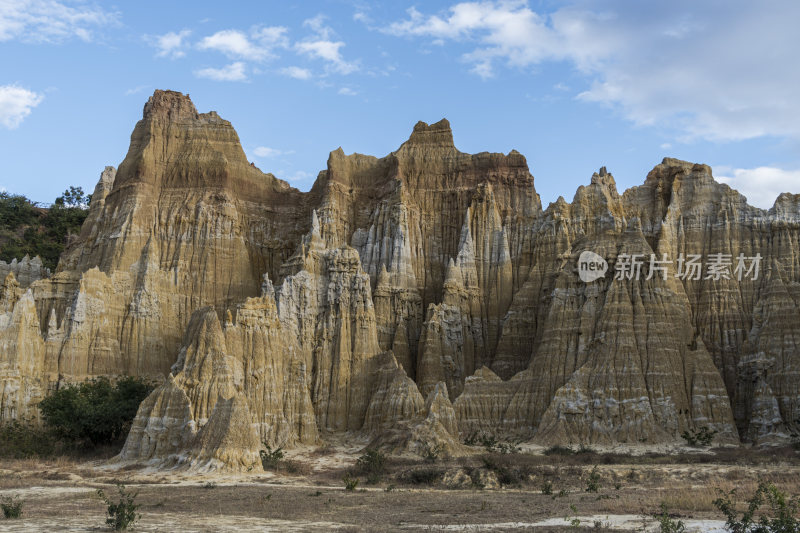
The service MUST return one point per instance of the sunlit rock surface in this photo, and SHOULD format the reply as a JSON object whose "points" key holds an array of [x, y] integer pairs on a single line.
{"points": [[406, 301]]}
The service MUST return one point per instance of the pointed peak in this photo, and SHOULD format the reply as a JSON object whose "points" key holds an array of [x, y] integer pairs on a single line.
{"points": [[465, 244], [453, 275], [603, 177], [267, 289], [383, 277], [484, 374], [170, 105], [437, 134], [314, 223]]}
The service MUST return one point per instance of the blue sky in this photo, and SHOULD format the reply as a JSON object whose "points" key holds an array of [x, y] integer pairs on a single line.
{"points": [[572, 85]]}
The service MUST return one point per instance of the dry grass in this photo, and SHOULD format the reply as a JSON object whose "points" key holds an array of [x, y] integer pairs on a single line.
{"points": [[418, 494]]}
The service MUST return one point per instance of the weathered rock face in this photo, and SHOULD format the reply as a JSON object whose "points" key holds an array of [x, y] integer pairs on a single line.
{"points": [[25, 271], [417, 297]]}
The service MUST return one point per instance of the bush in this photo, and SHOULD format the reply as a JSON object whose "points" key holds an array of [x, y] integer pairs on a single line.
{"points": [[430, 453], [423, 476], [22, 440], [666, 523], [350, 483], [781, 517], [559, 450], [372, 464], [26, 228], [270, 459], [12, 507], [121, 515], [700, 437], [491, 443], [96, 412], [547, 488], [507, 472], [593, 482]]}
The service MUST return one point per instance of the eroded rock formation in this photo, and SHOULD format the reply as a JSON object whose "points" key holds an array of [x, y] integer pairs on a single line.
{"points": [[407, 301]]}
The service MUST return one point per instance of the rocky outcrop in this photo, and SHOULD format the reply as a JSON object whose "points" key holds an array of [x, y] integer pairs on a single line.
{"points": [[23, 380], [25, 271], [417, 298], [163, 427]]}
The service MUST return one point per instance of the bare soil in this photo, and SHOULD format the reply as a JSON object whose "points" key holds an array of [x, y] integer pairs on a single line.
{"points": [[482, 492]]}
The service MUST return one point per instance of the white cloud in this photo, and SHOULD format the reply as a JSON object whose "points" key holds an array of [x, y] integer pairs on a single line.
{"points": [[718, 74], [136, 90], [233, 72], [507, 31], [317, 24], [320, 46], [259, 45], [329, 52], [16, 104], [347, 91], [666, 146], [360, 16], [760, 185], [296, 72], [271, 36], [50, 21], [297, 176], [265, 151], [171, 44]]}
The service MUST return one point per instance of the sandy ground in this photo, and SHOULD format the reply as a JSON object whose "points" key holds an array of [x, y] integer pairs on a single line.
{"points": [[308, 494]]}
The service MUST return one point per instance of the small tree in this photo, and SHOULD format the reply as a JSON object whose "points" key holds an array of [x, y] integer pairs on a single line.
{"points": [[270, 459], [666, 523], [593, 482], [73, 197], [372, 464], [781, 518], [96, 411], [12, 507], [699, 437], [121, 515]]}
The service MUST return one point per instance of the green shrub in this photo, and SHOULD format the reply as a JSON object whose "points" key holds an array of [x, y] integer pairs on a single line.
{"points": [[472, 439], [430, 453], [27, 229], [666, 523], [270, 459], [97, 412], [574, 522], [507, 472], [593, 482], [21, 440], [423, 476], [780, 518], [547, 488], [350, 483], [507, 447], [12, 507], [372, 464], [699, 437], [121, 515], [559, 450]]}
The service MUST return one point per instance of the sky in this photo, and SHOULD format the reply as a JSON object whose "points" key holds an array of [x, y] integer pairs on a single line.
{"points": [[572, 85]]}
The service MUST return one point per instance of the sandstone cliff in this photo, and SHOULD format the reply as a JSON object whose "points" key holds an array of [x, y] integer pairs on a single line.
{"points": [[406, 301]]}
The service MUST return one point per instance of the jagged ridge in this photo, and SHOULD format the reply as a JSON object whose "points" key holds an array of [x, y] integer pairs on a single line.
{"points": [[428, 273]]}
